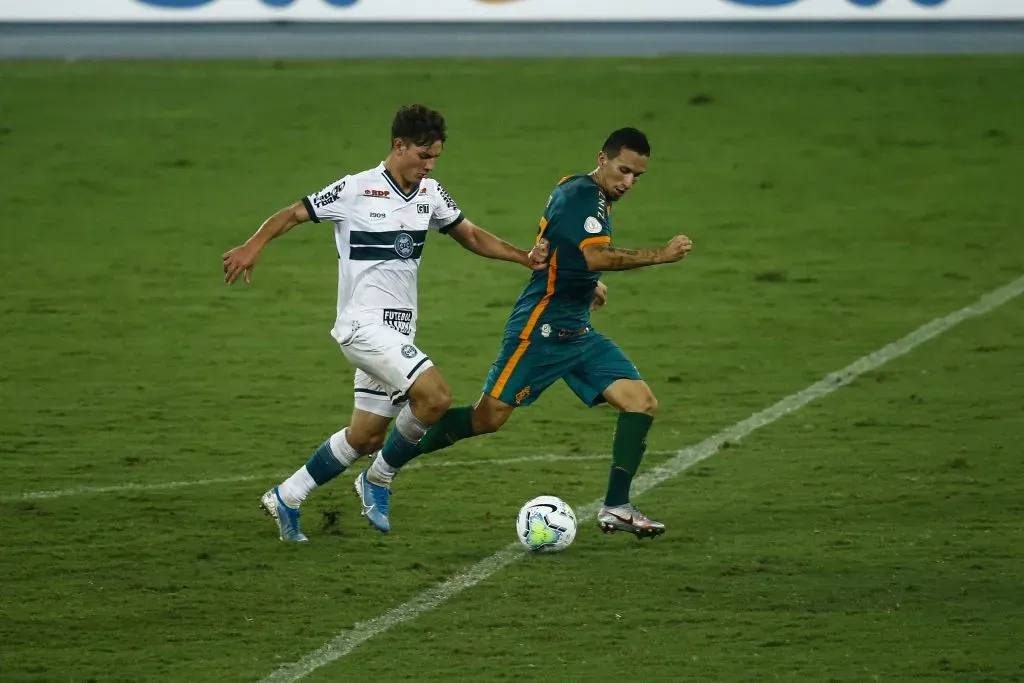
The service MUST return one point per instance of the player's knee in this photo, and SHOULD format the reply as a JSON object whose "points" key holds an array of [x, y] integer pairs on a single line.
{"points": [[365, 443], [642, 402], [489, 418], [487, 423], [433, 404]]}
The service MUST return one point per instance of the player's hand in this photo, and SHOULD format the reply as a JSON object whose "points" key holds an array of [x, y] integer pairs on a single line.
{"points": [[538, 256], [240, 260], [600, 296], [677, 247]]}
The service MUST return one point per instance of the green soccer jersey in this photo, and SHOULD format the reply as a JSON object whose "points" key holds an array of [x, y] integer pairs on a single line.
{"points": [[558, 299]]}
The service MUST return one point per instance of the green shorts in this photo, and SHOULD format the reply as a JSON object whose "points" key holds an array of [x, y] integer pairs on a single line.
{"points": [[588, 364]]}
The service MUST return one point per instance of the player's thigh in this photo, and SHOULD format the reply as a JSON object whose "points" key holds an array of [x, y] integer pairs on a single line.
{"points": [[387, 355], [374, 397], [631, 396], [523, 370], [600, 366]]}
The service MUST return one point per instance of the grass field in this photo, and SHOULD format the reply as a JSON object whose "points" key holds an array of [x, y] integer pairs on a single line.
{"points": [[835, 205]]}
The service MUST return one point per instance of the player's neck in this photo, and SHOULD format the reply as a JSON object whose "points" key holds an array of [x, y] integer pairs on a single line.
{"points": [[403, 184], [595, 175]]}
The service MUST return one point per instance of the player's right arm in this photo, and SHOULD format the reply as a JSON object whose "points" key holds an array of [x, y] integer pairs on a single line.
{"points": [[583, 216], [242, 259], [603, 256], [326, 204]]}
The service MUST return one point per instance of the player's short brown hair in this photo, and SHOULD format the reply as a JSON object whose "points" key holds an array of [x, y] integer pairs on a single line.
{"points": [[419, 125], [630, 138]]}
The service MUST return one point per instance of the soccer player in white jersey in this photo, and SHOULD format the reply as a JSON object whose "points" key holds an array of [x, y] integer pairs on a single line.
{"points": [[381, 219]]}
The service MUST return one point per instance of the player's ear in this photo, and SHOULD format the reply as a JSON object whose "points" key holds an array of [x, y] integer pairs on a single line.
{"points": [[602, 159], [398, 146]]}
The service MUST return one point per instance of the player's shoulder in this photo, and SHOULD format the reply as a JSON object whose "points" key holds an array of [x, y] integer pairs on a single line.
{"points": [[578, 186], [365, 178], [369, 182], [433, 188], [579, 191]]}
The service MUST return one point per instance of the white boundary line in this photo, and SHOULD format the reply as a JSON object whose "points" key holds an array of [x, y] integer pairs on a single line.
{"points": [[346, 641], [163, 486]]}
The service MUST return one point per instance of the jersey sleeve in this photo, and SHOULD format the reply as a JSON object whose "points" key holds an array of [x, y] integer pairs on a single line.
{"points": [[583, 218], [446, 214], [330, 203]]}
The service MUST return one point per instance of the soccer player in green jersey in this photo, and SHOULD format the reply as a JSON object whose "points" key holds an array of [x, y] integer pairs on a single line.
{"points": [[549, 336]]}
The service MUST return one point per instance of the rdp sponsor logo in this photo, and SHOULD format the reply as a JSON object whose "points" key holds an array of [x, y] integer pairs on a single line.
{"points": [[186, 4], [859, 3]]}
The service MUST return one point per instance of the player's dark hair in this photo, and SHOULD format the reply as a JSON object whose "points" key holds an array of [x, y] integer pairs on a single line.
{"points": [[630, 138], [419, 125]]}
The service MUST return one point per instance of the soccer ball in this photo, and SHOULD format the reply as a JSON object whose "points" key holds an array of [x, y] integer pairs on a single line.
{"points": [[546, 524]]}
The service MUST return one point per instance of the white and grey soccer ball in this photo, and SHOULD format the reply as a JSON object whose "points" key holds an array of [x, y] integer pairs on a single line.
{"points": [[546, 524]]}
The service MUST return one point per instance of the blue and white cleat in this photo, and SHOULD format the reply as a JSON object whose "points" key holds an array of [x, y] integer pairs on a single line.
{"points": [[375, 502], [287, 518]]}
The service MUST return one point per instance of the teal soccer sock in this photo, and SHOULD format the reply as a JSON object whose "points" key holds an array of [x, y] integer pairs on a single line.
{"points": [[455, 425], [627, 454]]}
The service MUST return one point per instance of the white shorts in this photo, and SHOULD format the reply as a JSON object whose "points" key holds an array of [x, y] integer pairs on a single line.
{"points": [[388, 363]]}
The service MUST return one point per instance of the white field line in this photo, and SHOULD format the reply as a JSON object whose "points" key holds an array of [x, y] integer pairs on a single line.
{"points": [[346, 641], [163, 486]]}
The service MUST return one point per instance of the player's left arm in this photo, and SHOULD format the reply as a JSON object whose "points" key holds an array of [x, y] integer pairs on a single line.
{"points": [[477, 240]]}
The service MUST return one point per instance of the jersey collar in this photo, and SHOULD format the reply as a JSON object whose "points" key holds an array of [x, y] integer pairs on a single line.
{"points": [[395, 186]]}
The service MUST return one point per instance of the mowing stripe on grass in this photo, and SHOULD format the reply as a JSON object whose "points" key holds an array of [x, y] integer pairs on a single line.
{"points": [[346, 641], [166, 485]]}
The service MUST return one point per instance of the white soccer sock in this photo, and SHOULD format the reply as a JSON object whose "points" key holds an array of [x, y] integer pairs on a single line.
{"points": [[342, 449], [381, 473], [296, 488]]}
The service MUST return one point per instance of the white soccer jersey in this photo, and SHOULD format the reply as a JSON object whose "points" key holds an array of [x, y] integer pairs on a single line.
{"points": [[380, 232]]}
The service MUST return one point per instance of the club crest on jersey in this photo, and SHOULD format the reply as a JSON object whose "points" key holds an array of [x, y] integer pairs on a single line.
{"points": [[409, 351], [592, 225], [404, 245]]}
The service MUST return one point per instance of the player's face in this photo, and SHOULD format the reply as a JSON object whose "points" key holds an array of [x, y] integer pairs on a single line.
{"points": [[417, 161], [621, 172]]}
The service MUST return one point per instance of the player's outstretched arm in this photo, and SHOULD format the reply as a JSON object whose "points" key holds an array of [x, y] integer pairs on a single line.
{"points": [[242, 259], [606, 257], [479, 241]]}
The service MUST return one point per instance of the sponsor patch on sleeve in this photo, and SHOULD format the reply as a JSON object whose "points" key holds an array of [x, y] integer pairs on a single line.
{"points": [[592, 225]]}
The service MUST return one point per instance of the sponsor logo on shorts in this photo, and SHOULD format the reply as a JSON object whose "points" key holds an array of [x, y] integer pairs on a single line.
{"points": [[521, 396], [409, 351], [399, 319], [545, 330]]}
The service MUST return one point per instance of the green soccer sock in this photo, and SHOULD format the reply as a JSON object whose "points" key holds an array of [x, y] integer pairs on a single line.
{"points": [[455, 425], [627, 453]]}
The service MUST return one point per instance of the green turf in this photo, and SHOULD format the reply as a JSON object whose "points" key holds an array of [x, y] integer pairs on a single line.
{"points": [[835, 205]]}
